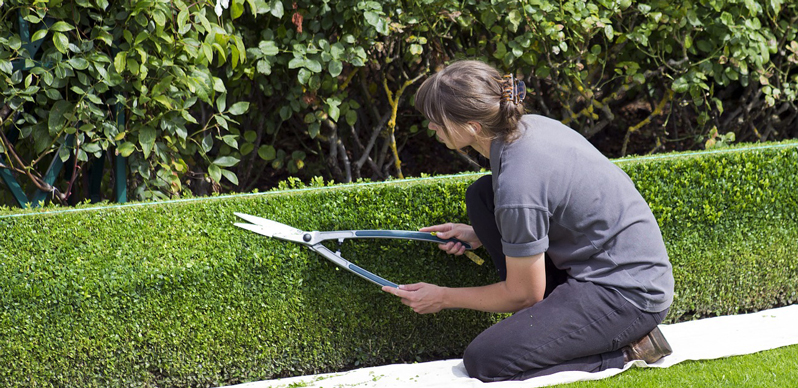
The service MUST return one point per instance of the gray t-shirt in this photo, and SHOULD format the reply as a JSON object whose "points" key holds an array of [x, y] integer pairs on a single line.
{"points": [[556, 193]]}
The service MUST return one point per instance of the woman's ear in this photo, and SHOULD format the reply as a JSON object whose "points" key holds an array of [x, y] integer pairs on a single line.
{"points": [[476, 127]]}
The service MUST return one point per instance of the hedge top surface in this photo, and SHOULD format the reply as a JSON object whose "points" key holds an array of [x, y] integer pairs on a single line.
{"points": [[742, 147]]}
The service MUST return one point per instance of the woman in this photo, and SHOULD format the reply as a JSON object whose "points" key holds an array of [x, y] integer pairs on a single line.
{"points": [[581, 259]]}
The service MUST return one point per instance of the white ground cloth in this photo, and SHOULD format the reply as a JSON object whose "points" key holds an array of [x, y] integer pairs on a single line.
{"points": [[696, 340]]}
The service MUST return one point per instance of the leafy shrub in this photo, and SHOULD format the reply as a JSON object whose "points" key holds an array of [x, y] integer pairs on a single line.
{"points": [[171, 294], [123, 78], [328, 84]]}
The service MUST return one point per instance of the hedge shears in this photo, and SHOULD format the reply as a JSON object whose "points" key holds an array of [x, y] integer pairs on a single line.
{"points": [[313, 241]]}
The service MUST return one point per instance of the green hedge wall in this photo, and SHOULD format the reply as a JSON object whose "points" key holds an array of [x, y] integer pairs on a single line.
{"points": [[172, 295]]}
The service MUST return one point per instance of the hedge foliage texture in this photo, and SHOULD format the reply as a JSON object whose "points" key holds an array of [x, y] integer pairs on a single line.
{"points": [[173, 295]]}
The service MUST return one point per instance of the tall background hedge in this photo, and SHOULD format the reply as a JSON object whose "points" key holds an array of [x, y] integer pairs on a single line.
{"points": [[173, 295], [240, 94]]}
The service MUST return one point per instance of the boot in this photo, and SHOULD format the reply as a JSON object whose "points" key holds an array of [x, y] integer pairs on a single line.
{"points": [[650, 348]]}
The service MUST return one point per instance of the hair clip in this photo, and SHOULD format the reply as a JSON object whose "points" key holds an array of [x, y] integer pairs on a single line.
{"points": [[513, 90], [519, 92]]}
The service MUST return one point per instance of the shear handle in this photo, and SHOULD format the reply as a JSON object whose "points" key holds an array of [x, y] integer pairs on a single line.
{"points": [[398, 234]]}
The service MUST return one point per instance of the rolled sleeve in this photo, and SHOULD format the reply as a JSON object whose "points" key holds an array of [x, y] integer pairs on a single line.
{"points": [[524, 230]]}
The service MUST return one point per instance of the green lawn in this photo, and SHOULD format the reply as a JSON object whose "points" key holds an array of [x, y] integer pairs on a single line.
{"points": [[776, 368]]}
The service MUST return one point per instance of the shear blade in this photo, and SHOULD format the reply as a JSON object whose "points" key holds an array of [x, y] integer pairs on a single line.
{"points": [[255, 228], [274, 226]]}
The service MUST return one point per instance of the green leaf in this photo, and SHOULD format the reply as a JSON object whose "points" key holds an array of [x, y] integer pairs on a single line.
{"points": [[286, 112], [247, 148], [704, 46], [164, 101], [234, 56], [91, 147], [337, 50], [693, 19], [250, 136], [120, 60], [188, 117], [221, 102], [488, 17], [609, 32], [230, 140], [239, 44], [314, 129], [61, 42], [268, 48], [303, 76], [33, 19], [206, 25], [372, 18], [207, 50], [182, 18], [63, 154], [267, 152], [207, 143], [159, 18], [351, 117], [6, 66], [501, 50], [515, 18], [53, 94], [78, 63], [147, 140], [218, 85], [181, 131], [277, 8], [56, 119], [542, 71], [222, 57], [229, 174], [296, 63], [335, 68], [313, 65], [215, 172], [14, 42], [236, 9], [39, 35], [264, 67], [62, 26], [221, 121], [334, 112], [226, 161], [680, 85], [239, 108], [256, 7]]}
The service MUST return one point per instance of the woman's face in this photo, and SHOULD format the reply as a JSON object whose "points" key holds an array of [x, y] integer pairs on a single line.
{"points": [[456, 138]]}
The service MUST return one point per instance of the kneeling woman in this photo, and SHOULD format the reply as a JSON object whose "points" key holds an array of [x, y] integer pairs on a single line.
{"points": [[580, 256]]}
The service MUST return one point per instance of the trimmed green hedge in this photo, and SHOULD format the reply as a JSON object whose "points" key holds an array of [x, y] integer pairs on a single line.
{"points": [[173, 295]]}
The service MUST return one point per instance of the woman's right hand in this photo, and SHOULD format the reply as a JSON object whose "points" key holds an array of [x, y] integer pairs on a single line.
{"points": [[461, 232]]}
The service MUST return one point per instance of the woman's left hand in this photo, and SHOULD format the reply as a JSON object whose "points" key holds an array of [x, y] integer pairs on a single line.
{"points": [[423, 298]]}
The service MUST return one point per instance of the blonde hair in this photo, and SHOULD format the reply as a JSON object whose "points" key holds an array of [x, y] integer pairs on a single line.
{"points": [[469, 91]]}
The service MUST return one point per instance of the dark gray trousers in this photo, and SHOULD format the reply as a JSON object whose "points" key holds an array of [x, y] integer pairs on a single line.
{"points": [[578, 326]]}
